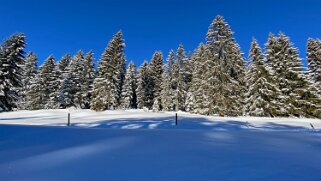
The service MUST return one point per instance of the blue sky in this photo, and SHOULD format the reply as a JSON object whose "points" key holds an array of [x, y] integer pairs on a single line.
{"points": [[60, 26]]}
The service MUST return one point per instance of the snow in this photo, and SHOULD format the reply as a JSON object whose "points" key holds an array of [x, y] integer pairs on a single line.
{"points": [[142, 119], [140, 145]]}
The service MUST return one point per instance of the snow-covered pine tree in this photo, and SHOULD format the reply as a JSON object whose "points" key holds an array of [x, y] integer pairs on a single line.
{"points": [[74, 82], [78, 76], [318, 70], [121, 66], [314, 63], [180, 91], [224, 84], [62, 70], [168, 93], [144, 89], [129, 97], [297, 94], [33, 99], [156, 105], [65, 92], [108, 84], [197, 102], [42, 87], [30, 70], [277, 62], [263, 94], [11, 61], [311, 57], [99, 95], [187, 73], [55, 86], [64, 67], [184, 71], [88, 80], [170, 63], [189, 102], [156, 73]]}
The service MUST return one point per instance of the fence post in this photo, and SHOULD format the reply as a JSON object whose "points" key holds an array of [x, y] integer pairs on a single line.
{"points": [[312, 126], [68, 119], [176, 122]]}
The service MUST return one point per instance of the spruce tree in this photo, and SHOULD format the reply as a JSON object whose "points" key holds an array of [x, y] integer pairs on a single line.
{"points": [[65, 92], [224, 84], [34, 95], [42, 87], [314, 63], [179, 70], [197, 88], [263, 94], [55, 84], [184, 77], [297, 93], [73, 83], [11, 61], [88, 80], [77, 71], [62, 70], [168, 93], [144, 89], [108, 84], [30, 70], [129, 97], [156, 73], [64, 66]]}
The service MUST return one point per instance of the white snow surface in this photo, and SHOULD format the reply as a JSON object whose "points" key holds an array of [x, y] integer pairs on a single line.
{"points": [[140, 145], [135, 119]]}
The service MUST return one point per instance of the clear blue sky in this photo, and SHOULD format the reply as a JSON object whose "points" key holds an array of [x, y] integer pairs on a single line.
{"points": [[60, 26]]}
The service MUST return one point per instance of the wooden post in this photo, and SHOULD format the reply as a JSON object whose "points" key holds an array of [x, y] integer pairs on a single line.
{"points": [[68, 119], [176, 122], [312, 126]]}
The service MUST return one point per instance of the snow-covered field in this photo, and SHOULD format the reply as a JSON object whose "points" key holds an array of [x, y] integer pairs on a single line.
{"points": [[139, 119], [138, 145]]}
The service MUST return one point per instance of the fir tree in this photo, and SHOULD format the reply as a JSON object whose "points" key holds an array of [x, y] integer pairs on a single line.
{"points": [[156, 73], [72, 86], [167, 94], [78, 73], [156, 105], [314, 63], [65, 93], [55, 84], [129, 97], [224, 71], [30, 70], [144, 87], [41, 89], [62, 70], [263, 94], [11, 61], [197, 104], [64, 66], [183, 70], [297, 94], [108, 86], [88, 80], [180, 87]]}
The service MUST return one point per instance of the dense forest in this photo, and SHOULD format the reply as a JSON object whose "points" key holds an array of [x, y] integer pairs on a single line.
{"points": [[215, 79]]}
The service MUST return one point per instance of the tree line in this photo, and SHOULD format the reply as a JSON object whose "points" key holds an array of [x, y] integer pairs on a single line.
{"points": [[215, 79]]}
